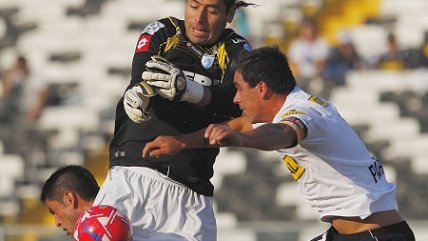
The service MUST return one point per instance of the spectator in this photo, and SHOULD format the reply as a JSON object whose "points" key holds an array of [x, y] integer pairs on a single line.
{"points": [[393, 59], [24, 93], [343, 57], [307, 55]]}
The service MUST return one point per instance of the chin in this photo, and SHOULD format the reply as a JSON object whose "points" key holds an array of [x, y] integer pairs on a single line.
{"points": [[249, 117], [200, 41]]}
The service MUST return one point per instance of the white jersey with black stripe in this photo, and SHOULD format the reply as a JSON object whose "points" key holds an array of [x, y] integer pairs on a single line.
{"points": [[334, 169]]}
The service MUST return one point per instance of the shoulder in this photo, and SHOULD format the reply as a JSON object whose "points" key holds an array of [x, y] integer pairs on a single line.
{"points": [[172, 21], [234, 42], [303, 105], [167, 24]]}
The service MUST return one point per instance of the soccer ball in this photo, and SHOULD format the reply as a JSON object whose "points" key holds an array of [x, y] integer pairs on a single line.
{"points": [[102, 223]]}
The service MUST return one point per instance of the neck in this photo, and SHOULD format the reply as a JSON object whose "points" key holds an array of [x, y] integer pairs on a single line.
{"points": [[274, 105], [83, 205]]}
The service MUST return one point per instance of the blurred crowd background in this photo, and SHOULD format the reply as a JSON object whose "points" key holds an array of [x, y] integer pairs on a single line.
{"points": [[65, 63]]}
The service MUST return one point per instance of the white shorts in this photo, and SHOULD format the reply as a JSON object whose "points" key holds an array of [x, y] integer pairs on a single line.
{"points": [[159, 208]]}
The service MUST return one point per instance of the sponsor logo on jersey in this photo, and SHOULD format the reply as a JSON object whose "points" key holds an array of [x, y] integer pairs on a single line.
{"points": [[319, 101], [193, 48], [153, 27], [294, 167], [292, 112], [201, 79], [207, 60], [376, 169], [238, 40], [143, 43]]}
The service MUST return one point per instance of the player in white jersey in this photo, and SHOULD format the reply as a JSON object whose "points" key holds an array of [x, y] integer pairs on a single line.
{"points": [[335, 171]]}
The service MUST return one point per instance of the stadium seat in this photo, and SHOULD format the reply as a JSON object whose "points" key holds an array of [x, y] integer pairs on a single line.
{"points": [[228, 163], [13, 168], [9, 208], [375, 35], [68, 117], [288, 195]]}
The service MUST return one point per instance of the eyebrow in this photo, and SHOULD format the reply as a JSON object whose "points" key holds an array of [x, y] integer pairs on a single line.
{"points": [[216, 6]]}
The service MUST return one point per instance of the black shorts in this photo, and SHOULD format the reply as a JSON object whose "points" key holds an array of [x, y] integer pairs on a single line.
{"points": [[396, 232]]}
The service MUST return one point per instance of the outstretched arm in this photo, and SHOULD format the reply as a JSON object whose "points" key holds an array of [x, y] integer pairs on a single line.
{"points": [[266, 137], [169, 145], [237, 132]]}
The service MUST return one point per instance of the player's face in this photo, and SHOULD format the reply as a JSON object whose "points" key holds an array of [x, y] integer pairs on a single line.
{"points": [[205, 20], [65, 215], [247, 98]]}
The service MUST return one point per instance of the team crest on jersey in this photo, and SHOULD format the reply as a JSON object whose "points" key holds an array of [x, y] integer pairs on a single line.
{"points": [[153, 27], [143, 43], [207, 60], [248, 47]]}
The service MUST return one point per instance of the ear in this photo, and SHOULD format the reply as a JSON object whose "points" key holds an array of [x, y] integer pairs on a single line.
{"points": [[263, 89], [70, 199], [230, 14]]}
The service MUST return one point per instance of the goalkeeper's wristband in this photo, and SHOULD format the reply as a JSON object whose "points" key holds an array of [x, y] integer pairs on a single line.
{"points": [[194, 92]]}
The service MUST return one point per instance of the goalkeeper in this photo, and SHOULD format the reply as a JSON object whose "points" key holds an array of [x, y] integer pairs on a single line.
{"points": [[180, 82]]}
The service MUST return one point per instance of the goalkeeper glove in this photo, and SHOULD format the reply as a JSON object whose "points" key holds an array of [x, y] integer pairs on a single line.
{"points": [[136, 100], [170, 82]]}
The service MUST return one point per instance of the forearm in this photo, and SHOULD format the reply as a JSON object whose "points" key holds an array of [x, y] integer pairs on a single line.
{"points": [[265, 137], [269, 137], [169, 145], [193, 140], [215, 135]]}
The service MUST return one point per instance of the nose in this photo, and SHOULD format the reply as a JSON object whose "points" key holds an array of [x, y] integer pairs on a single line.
{"points": [[200, 16], [236, 98], [58, 223]]}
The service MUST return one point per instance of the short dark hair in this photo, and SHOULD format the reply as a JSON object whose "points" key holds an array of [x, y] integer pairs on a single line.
{"points": [[266, 64], [70, 178], [230, 3]]}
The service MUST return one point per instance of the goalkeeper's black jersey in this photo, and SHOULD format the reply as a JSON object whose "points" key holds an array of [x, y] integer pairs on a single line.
{"points": [[207, 65]]}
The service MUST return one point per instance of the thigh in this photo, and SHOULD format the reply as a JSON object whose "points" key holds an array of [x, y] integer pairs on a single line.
{"points": [[187, 215], [126, 191], [159, 208], [181, 214]]}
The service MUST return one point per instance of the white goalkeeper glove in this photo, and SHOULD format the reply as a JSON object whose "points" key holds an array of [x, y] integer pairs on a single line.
{"points": [[170, 82], [136, 100]]}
